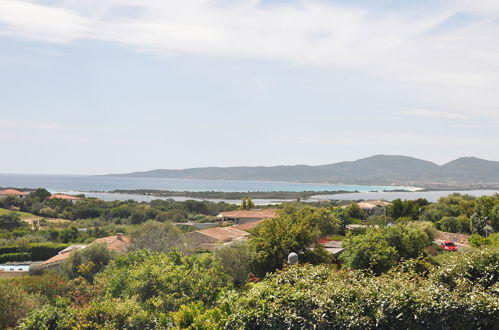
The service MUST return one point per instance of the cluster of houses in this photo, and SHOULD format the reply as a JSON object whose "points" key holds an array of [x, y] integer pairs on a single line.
{"points": [[241, 222], [12, 192], [21, 194]]}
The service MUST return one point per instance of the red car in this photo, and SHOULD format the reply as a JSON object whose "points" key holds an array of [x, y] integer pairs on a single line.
{"points": [[448, 246]]}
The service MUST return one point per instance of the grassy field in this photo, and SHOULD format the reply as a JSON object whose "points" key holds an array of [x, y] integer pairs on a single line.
{"points": [[22, 214]]}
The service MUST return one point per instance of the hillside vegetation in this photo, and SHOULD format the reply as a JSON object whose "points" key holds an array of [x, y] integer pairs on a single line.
{"points": [[380, 169]]}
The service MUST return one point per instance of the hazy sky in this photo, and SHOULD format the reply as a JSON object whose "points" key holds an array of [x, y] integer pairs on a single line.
{"points": [[110, 86]]}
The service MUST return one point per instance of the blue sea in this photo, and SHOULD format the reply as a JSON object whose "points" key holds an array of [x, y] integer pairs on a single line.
{"points": [[61, 183], [98, 186]]}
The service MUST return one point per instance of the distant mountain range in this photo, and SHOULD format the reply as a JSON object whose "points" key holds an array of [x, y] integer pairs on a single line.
{"points": [[466, 172]]}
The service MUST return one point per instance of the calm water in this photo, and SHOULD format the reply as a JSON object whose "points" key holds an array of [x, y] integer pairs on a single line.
{"points": [[60, 183], [83, 184]]}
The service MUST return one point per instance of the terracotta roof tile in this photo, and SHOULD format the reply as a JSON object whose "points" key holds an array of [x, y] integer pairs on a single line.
{"points": [[12, 192], [223, 234], [261, 214], [62, 196], [117, 242], [248, 226]]}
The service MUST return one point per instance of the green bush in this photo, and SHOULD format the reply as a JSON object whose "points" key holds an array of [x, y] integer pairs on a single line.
{"points": [[165, 281], [87, 262], [472, 266], [9, 249], [50, 317], [37, 251], [381, 249], [14, 304], [19, 256], [461, 224], [44, 251], [317, 297]]}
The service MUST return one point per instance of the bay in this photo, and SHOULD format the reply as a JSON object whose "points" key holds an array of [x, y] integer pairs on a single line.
{"points": [[62, 183]]}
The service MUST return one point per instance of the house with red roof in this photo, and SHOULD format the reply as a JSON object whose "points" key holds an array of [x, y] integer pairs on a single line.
{"points": [[118, 243], [73, 199], [12, 192]]}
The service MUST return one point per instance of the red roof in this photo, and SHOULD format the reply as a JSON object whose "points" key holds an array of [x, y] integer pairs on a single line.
{"points": [[257, 214], [247, 226], [12, 192], [62, 196], [118, 242], [223, 234]]}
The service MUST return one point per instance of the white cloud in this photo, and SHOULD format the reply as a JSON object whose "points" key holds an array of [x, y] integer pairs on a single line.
{"points": [[432, 113], [456, 67]]}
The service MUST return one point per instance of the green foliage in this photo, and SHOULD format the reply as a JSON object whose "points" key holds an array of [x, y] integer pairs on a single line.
{"points": [[10, 221], [39, 195], [47, 286], [19, 256], [50, 318], [165, 281], [44, 251], [87, 262], [476, 240], [435, 212], [236, 261], [470, 268], [14, 304], [408, 208], [116, 313], [196, 316], [32, 251], [156, 236], [381, 249], [316, 297], [296, 229], [460, 224], [247, 203], [353, 211]]}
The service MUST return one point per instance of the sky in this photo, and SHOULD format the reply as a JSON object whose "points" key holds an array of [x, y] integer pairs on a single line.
{"points": [[114, 86]]}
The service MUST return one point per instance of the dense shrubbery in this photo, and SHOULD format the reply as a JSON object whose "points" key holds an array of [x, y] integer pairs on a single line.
{"points": [[399, 286], [130, 212], [296, 229], [381, 249], [87, 262], [15, 303], [32, 252], [165, 281], [459, 224], [307, 297], [18, 256]]}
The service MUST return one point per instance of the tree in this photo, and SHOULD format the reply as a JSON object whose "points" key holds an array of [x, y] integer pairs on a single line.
{"points": [[244, 205], [236, 261], [355, 212], [39, 195], [156, 236], [381, 249], [10, 221], [294, 230], [163, 282], [478, 224], [249, 203], [396, 209], [14, 304], [87, 262]]}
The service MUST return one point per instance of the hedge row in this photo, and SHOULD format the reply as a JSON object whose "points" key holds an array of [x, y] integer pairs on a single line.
{"points": [[23, 256], [35, 251]]}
